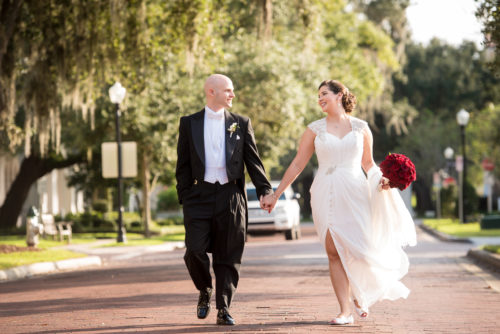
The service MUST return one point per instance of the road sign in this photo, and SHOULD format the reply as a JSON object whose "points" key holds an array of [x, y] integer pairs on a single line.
{"points": [[459, 163], [487, 164], [109, 154], [436, 180]]}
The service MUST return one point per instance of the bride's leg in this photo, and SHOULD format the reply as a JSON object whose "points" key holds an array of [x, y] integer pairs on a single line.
{"points": [[338, 276]]}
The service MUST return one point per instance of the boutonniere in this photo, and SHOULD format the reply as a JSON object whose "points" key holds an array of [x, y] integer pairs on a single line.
{"points": [[232, 129]]}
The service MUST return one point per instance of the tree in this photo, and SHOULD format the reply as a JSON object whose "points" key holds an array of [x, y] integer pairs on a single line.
{"points": [[50, 48], [67, 57], [441, 79], [488, 13], [9, 13], [482, 135], [424, 145]]}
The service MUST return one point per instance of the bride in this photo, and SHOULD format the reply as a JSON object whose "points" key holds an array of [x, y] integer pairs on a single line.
{"points": [[362, 228]]}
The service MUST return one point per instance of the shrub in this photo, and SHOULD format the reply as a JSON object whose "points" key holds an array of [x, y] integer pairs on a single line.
{"points": [[167, 200], [471, 201], [92, 222], [448, 201], [171, 221], [100, 206]]}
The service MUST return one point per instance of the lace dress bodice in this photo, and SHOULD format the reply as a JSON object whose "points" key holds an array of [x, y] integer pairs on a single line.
{"points": [[334, 152]]}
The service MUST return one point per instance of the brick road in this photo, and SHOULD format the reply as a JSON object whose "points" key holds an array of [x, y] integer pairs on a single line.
{"points": [[284, 288]]}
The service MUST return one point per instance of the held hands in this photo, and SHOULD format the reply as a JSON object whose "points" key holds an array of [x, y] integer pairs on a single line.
{"points": [[268, 202]]}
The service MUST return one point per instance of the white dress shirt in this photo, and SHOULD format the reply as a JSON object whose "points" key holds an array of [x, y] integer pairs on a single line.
{"points": [[215, 146]]}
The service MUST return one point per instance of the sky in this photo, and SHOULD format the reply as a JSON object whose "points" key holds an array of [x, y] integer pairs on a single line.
{"points": [[451, 20]]}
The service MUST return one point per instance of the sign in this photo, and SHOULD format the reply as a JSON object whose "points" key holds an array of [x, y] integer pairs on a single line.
{"points": [[436, 178], [487, 164], [109, 155], [459, 163]]}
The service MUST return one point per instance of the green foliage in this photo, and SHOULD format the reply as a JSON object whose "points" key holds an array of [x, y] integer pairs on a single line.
{"points": [[100, 206], [449, 204], [171, 221], [444, 79], [440, 80], [482, 131], [162, 51], [425, 144], [492, 248], [471, 201], [489, 14], [167, 200], [91, 222]]}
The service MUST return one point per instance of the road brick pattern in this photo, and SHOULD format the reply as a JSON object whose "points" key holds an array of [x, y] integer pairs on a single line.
{"points": [[284, 288]]}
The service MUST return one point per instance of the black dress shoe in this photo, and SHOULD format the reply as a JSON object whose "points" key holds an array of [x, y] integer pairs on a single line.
{"points": [[223, 318], [204, 303]]}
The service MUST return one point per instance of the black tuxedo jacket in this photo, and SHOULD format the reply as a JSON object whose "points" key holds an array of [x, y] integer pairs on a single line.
{"points": [[240, 151]]}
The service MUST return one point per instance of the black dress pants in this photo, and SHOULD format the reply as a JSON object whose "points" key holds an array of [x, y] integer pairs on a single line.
{"points": [[214, 219]]}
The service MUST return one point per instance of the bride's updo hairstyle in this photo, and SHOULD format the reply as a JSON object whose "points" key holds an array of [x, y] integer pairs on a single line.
{"points": [[348, 98]]}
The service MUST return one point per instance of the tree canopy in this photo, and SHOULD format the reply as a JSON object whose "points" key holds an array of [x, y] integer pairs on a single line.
{"points": [[59, 57]]}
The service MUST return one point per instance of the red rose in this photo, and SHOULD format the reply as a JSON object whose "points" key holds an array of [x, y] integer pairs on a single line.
{"points": [[399, 169]]}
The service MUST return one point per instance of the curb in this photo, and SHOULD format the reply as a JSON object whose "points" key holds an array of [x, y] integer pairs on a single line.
{"points": [[48, 267], [443, 236], [485, 257]]}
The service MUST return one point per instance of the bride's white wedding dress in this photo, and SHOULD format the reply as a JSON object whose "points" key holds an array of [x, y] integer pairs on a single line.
{"points": [[369, 227]]}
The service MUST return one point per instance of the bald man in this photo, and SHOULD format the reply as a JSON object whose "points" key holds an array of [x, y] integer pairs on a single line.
{"points": [[213, 148]]}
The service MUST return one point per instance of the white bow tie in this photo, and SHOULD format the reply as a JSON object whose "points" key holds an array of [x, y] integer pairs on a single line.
{"points": [[214, 115]]}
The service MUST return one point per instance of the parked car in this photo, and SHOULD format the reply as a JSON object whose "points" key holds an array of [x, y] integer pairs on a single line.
{"points": [[285, 218]]}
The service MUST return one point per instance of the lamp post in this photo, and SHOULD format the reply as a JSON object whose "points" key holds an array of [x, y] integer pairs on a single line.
{"points": [[462, 120], [117, 94], [441, 175], [448, 155]]}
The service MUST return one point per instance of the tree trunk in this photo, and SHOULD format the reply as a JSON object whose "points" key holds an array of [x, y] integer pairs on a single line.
{"points": [[266, 20], [146, 206], [423, 193], [32, 168]]}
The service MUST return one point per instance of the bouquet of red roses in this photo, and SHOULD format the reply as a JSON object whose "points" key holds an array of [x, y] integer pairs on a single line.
{"points": [[399, 170]]}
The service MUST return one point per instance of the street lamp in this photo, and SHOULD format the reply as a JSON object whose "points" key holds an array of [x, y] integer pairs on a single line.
{"points": [[117, 94], [462, 120], [448, 155]]}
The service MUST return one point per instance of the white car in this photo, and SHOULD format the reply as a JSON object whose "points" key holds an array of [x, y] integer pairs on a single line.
{"points": [[285, 216]]}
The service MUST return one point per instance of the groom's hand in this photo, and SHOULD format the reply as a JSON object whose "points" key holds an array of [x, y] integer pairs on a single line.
{"points": [[262, 204]]}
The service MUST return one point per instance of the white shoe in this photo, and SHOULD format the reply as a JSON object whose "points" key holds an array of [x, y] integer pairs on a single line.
{"points": [[342, 320], [362, 313]]}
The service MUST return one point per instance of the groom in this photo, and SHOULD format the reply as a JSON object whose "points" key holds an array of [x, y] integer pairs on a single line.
{"points": [[213, 148]]}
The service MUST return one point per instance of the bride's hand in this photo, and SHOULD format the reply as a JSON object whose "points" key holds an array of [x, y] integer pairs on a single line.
{"points": [[383, 184], [268, 202]]}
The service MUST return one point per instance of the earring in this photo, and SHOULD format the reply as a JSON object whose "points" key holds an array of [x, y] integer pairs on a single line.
{"points": [[338, 104]]}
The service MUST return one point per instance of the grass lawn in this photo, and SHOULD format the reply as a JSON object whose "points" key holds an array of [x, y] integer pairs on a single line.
{"points": [[15, 259], [455, 228], [51, 251], [492, 248]]}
